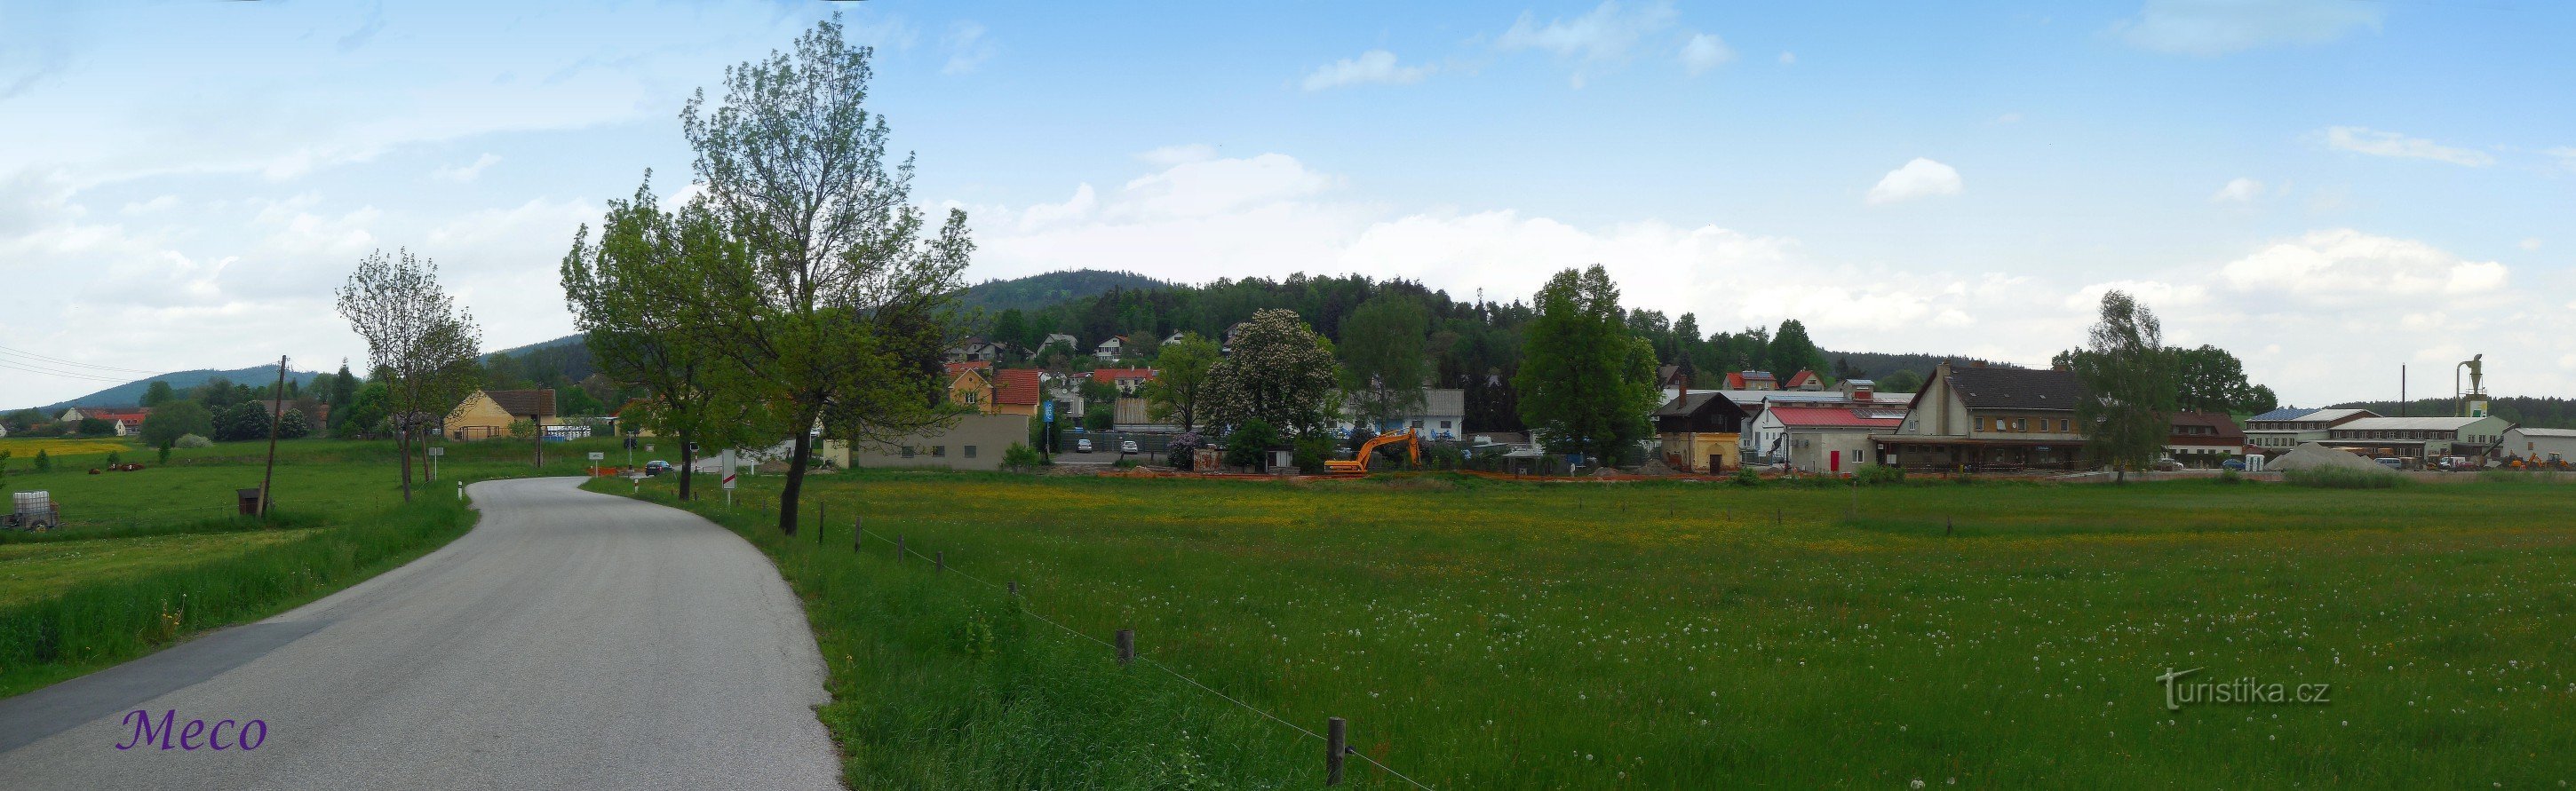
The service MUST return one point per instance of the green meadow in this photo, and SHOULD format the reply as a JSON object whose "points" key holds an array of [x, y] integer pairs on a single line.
{"points": [[1496, 634], [149, 557]]}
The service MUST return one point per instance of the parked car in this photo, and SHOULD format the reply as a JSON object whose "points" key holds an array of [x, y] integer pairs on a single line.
{"points": [[1082, 445], [2391, 462], [2233, 464], [1128, 446], [656, 467]]}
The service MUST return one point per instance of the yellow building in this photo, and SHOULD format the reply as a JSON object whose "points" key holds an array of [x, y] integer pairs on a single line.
{"points": [[489, 413], [1701, 432], [1011, 391]]}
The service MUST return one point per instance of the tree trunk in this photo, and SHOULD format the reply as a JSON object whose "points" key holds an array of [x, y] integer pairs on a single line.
{"points": [[795, 481], [402, 442], [688, 464]]}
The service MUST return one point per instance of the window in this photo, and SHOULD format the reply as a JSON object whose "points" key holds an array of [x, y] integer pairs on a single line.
{"points": [[970, 451], [1417, 424], [1981, 424], [2020, 424], [1444, 425], [2064, 425], [938, 451], [907, 451]]}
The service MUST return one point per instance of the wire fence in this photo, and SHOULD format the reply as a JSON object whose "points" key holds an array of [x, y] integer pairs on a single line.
{"points": [[1128, 651]]}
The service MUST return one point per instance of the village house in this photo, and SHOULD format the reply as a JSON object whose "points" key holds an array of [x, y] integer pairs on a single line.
{"points": [[2281, 430], [1111, 349], [489, 413], [2203, 439], [1825, 439], [1751, 380], [971, 442], [1804, 380], [1010, 391], [1766, 443], [975, 349], [1701, 432], [1441, 415], [1982, 418]]}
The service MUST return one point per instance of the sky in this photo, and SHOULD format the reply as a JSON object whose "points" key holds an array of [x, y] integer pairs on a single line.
{"points": [[2328, 188]]}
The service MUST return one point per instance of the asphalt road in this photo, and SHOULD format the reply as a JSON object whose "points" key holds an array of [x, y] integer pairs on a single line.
{"points": [[572, 640]]}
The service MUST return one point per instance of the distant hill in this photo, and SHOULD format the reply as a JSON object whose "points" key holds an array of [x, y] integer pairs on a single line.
{"points": [[1038, 291], [522, 351], [130, 394]]}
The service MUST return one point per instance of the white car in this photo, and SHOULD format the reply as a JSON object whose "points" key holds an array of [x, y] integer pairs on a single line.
{"points": [[1128, 446], [1082, 445]]}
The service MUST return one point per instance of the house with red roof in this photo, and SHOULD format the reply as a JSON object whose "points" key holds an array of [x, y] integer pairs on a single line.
{"points": [[128, 422], [2204, 439], [1010, 391], [1822, 438], [1751, 380], [1129, 381], [1805, 380]]}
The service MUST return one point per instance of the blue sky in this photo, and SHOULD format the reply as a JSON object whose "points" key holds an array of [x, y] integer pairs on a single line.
{"points": [[2330, 188]]}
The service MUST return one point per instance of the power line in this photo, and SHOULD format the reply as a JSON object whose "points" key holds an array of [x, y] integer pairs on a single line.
{"points": [[60, 361], [8, 364]]}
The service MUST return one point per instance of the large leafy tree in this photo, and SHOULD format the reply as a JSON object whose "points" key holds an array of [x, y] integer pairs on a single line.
{"points": [[1791, 351], [158, 393], [2128, 378], [2209, 379], [1179, 386], [622, 290], [422, 345], [838, 312], [1586, 384], [174, 419], [1280, 373], [1382, 357], [240, 422]]}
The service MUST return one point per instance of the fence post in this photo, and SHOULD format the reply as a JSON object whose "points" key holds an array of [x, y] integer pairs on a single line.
{"points": [[858, 533], [1336, 743], [939, 560], [898, 548], [1015, 588], [822, 518], [1126, 646]]}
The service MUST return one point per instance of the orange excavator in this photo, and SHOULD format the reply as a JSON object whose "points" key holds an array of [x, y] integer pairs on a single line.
{"points": [[1359, 465]]}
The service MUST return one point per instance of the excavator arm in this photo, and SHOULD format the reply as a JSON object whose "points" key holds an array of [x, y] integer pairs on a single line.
{"points": [[1359, 464]]}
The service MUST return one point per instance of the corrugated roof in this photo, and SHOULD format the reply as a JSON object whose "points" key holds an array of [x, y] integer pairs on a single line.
{"points": [[2284, 413], [2408, 424], [2337, 414], [2017, 388], [2547, 432], [1836, 417]]}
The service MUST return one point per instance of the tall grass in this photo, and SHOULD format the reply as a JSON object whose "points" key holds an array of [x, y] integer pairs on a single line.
{"points": [[2343, 478], [95, 624]]}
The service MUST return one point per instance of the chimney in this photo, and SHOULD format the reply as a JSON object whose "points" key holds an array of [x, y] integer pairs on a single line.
{"points": [[1976, 363]]}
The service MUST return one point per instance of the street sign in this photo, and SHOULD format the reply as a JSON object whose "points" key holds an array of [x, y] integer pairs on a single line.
{"points": [[596, 455], [438, 451], [725, 461], [1049, 408]]}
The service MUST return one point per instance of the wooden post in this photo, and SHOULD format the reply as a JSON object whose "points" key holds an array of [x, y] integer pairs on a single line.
{"points": [[1948, 525], [1015, 588], [1336, 744], [1126, 646], [276, 415], [898, 548], [858, 533], [822, 518], [939, 560]]}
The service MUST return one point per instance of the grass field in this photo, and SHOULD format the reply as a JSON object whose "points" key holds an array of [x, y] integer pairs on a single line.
{"points": [[1482, 634], [152, 556]]}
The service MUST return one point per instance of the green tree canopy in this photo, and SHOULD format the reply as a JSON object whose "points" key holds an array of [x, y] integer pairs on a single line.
{"points": [[1180, 381], [1383, 366], [1790, 352], [2128, 377], [158, 393], [172, 420], [241, 422], [1586, 384], [1280, 373]]}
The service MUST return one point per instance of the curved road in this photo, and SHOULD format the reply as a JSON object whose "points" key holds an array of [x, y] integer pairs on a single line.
{"points": [[572, 640]]}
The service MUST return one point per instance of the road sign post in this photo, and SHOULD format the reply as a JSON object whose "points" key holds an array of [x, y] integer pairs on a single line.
{"points": [[595, 458], [434, 453], [1046, 441], [725, 461]]}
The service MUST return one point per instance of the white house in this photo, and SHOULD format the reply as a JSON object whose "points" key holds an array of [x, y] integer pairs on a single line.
{"points": [[1111, 349], [1442, 415], [1057, 338], [2281, 430], [2540, 444]]}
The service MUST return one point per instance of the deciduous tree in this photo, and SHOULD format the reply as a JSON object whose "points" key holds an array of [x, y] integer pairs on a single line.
{"points": [[1180, 381], [417, 337], [2128, 377], [174, 419], [1383, 366], [1586, 384], [1280, 373]]}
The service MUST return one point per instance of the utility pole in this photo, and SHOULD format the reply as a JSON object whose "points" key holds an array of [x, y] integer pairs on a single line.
{"points": [[276, 415]]}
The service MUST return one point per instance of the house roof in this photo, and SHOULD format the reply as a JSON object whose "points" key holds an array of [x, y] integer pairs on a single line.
{"points": [[1836, 417], [2284, 413], [2409, 424], [1015, 386], [1735, 380], [524, 402], [1694, 403], [971, 365], [2016, 388], [2527, 431], [2331, 415], [2223, 430], [1803, 377], [1112, 375], [118, 415]]}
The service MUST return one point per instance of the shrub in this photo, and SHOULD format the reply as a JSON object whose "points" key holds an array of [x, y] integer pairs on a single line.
{"points": [[1181, 452], [115, 458], [1745, 476], [2230, 476], [1250, 443], [1311, 451], [193, 441], [1019, 457], [1877, 475], [2343, 478], [44, 462]]}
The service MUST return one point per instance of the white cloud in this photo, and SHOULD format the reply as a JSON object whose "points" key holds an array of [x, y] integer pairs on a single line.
{"points": [[2566, 156], [468, 172], [1168, 156], [1217, 186], [1373, 66], [2153, 293], [2238, 190], [1921, 178], [160, 203], [1788, 58], [2531, 243], [2391, 144], [2008, 118], [2344, 266], [1705, 51], [967, 48], [1610, 33], [2218, 27]]}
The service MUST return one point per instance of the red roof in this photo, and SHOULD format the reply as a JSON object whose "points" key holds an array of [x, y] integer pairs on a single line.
{"points": [[1112, 375], [1735, 380], [1801, 378], [134, 416], [2208, 428], [1016, 386], [971, 365], [1828, 417]]}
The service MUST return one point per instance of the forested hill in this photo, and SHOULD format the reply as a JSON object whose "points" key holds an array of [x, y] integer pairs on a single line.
{"points": [[130, 394], [2521, 410], [1038, 291]]}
